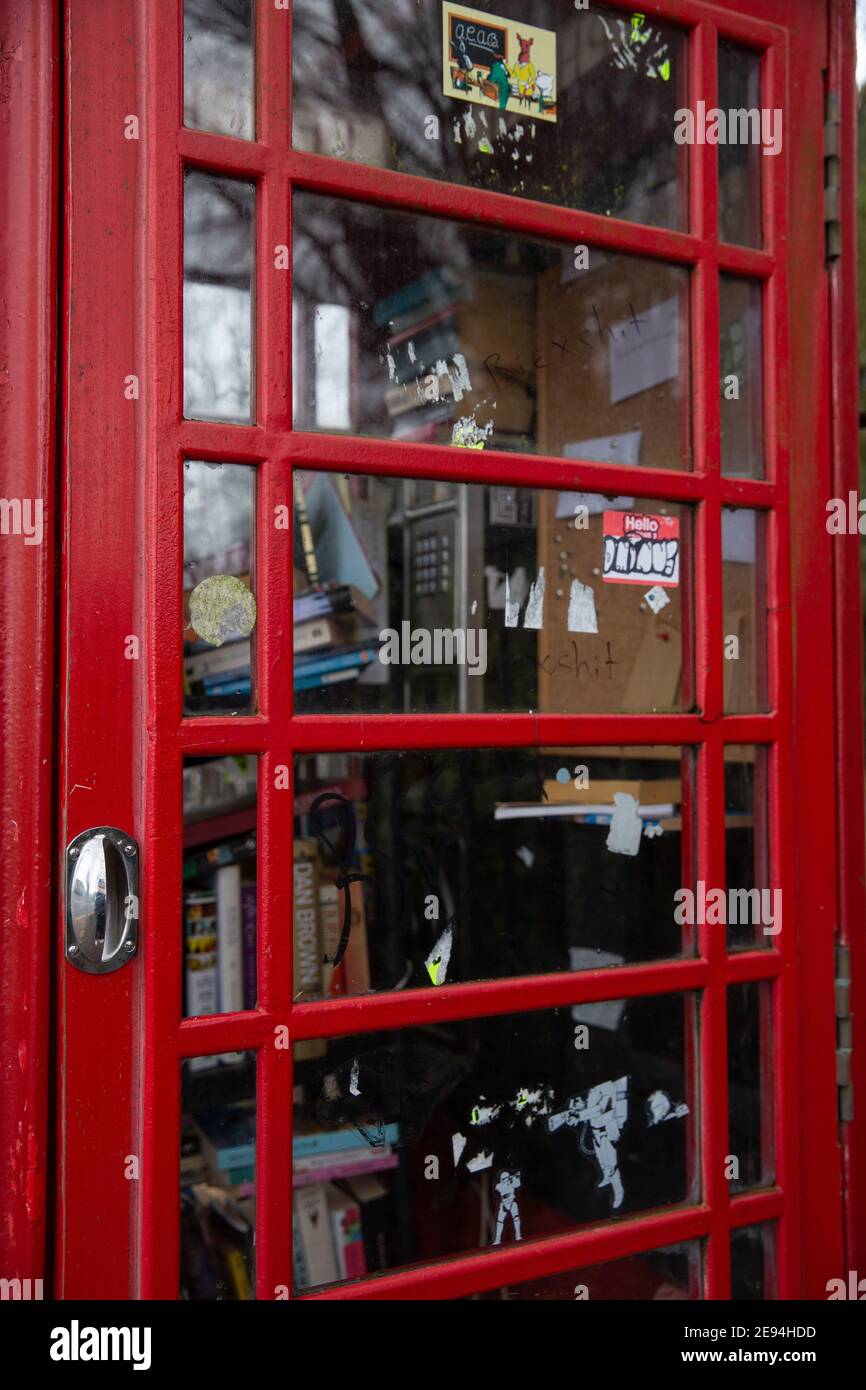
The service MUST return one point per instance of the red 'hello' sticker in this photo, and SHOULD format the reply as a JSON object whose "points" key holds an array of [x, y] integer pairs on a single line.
{"points": [[640, 549]]}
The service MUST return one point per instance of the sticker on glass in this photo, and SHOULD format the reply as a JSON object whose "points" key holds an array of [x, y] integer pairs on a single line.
{"points": [[640, 549], [498, 62]]}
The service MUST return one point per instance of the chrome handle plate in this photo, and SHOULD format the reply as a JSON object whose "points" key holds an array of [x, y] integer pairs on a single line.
{"points": [[101, 905]]}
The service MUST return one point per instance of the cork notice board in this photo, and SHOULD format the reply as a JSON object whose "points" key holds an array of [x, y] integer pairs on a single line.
{"points": [[633, 663]]}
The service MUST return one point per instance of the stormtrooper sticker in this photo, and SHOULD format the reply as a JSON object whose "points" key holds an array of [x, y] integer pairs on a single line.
{"points": [[507, 1185], [599, 1116]]}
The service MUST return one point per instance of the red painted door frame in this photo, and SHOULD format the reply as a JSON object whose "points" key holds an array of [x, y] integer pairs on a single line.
{"points": [[122, 737], [29, 147]]}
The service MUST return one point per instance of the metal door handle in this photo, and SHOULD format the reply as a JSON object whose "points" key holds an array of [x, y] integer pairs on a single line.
{"points": [[101, 900]]}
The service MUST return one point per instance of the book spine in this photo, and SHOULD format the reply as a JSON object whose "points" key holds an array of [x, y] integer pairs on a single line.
{"points": [[337, 1172], [306, 948], [229, 961], [316, 1236], [300, 1272], [310, 563], [319, 665], [329, 919], [357, 957], [233, 656], [330, 678], [310, 636], [346, 1226], [248, 935], [200, 965]]}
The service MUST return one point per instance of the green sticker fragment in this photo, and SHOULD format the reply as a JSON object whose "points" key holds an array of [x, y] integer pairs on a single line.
{"points": [[222, 609]]}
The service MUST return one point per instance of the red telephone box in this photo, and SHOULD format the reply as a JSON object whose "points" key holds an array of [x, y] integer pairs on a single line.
{"points": [[458, 843]]}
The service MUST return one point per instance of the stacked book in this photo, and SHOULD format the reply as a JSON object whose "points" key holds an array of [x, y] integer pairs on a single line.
{"points": [[216, 672], [220, 951], [335, 635], [338, 1230]]}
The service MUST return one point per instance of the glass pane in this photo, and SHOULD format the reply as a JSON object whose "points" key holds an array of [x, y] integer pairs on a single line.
{"points": [[217, 1179], [747, 847], [753, 1263], [219, 610], [493, 1130], [749, 1093], [218, 75], [744, 592], [219, 886], [413, 596], [217, 297], [418, 328], [742, 400], [476, 865], [740, 164], [502, 97], [671, 1273]]}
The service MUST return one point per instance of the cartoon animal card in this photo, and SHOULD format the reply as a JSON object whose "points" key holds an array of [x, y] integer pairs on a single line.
{"points": [[496, 62]]}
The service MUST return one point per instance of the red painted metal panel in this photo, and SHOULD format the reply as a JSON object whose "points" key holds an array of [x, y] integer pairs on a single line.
{"points": [[28, 253], [100, 754], [150, 326], [848, 629]]}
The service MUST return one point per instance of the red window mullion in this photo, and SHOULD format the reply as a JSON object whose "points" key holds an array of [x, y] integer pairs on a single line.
{"points": [[273, 374], [708, 642]]}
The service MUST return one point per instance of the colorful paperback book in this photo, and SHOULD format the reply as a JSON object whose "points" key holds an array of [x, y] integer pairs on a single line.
{"points": [[309, 1140]]}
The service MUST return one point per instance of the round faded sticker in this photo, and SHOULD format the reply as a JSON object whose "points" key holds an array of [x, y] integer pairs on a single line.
{"points": [[221, 609]]}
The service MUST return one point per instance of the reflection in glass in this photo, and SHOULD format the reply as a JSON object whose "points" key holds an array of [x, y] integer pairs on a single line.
{"points": [[482, 864], [218, 67], [217, 297], [217, 1179], [747, 835], [742, 400], [531, 1132], [580, 113], [739, 164], [749, 1095], [753, 1263], [744, 597], [673, 1273], [219, 887], [218, 501], [417, 328], [413, 595]]}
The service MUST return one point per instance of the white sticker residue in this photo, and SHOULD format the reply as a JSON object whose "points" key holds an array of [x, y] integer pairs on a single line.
{"points": [[480, 1162], [534, 615], [657, 598], [582, 616], [660, 1107], [515, 591], [459, 378], [484, 1114], [354, 1088], [458, 1144], [625, 827], [437, 961]]}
